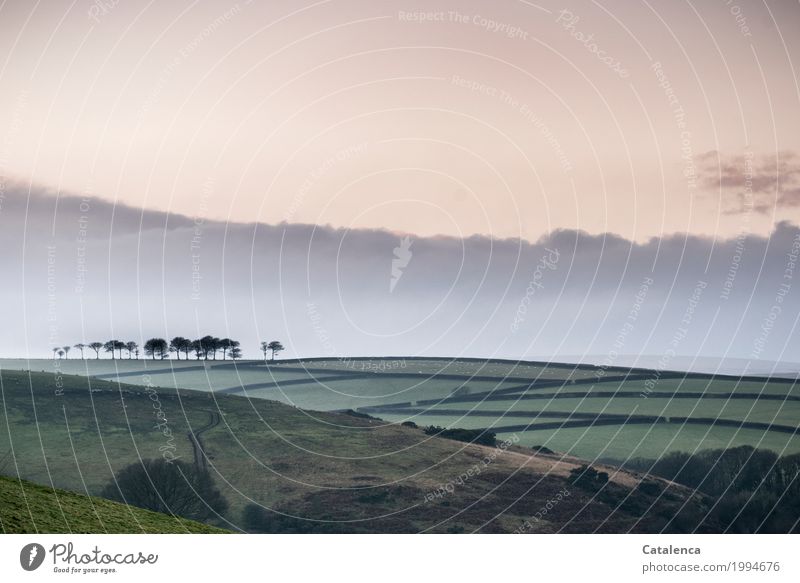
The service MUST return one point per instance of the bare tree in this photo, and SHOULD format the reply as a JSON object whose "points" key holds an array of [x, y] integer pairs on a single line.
{"points": [[178, 345], [111, 346], [168, 486], [235, 350], [224, 346], [208, 344], [132, 347], [275, 347], [156, 347], [198, 349], [96, 346], [215, 345]]}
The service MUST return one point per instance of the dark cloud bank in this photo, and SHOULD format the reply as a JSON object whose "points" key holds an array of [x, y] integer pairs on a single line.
{"points": [[326, 291]]}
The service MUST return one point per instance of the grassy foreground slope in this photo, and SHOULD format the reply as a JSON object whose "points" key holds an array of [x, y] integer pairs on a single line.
{"points": [[30, 508], [317, 471]]}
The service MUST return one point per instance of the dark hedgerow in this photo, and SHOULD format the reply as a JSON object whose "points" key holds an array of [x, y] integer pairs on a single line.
{"points": [[360, 415], [479, 436]]}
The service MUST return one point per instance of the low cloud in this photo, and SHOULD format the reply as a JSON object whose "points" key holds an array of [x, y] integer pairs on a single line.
{"points": [[77, 270]]}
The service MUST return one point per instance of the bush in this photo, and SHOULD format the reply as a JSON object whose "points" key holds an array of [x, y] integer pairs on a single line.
{"points": [[542, 449], [172, 487], [409, 424], [650, 488], [480, 436], [588, 478]]}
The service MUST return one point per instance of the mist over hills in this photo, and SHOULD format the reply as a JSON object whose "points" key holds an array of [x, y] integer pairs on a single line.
{"points": [[81, 268]]}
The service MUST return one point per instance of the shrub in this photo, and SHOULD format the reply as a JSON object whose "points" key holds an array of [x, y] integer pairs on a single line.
{"points": [[650, 488], [172, 487], [588, 478], [480, 436]]}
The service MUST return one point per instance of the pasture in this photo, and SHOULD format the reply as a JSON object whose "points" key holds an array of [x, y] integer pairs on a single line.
{"points": [[310, 471], [585, 411]]}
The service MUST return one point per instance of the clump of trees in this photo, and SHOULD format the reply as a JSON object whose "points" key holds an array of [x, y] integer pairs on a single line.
{"points": [[205, 348], [172, 487], [273, 346], [156, 348], [755, 489], [114, 345]]}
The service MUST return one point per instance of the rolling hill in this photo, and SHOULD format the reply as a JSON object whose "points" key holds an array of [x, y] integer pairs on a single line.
{"points": [[587, 411], [316, 471]]}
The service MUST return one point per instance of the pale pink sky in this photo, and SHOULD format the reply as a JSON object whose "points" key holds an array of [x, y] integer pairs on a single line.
{"points": [[350, 113]]}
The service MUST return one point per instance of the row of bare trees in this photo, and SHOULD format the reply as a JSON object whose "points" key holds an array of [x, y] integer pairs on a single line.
{"points": [[205, 348]]}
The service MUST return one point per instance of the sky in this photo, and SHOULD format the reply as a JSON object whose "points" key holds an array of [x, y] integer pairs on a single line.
{"points": [[653, 139], [507, 119]]}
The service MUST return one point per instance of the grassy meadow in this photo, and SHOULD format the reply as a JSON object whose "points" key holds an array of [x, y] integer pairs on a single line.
{"points": [[30, 508], [312, 470], [584, 411]]}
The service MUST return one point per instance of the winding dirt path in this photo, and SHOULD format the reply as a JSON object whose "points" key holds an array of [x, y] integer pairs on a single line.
{"points": [[198, 449]]}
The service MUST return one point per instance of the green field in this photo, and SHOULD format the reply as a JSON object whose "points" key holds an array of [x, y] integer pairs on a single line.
{"points": [[26, 507], [313, 471], [580, 410]]}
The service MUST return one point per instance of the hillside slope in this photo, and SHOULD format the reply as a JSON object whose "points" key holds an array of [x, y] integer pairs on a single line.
{"points": [[588, 411], [317, 471], [30, 508]]}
